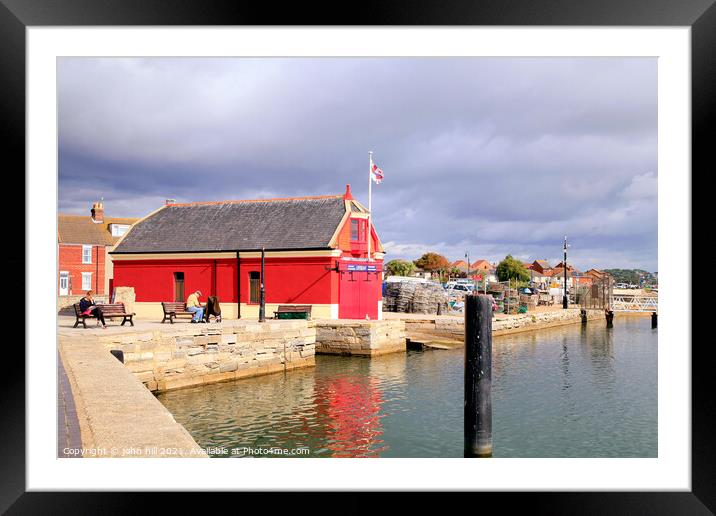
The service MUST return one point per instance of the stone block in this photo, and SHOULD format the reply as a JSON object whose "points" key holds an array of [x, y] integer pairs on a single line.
{"points": [[144, 376], [229, 366], [229, 338]]}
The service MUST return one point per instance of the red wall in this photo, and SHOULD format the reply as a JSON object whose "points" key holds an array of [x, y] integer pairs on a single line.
{"points": [[70, 259], [288, 280]]}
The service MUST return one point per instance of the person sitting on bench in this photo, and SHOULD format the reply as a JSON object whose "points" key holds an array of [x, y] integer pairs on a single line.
{"points": [[193, 305], [89, 307], [213, 308]]}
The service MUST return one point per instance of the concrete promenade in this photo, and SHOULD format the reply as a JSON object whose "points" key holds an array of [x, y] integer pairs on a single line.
{"points": [[117, 416]]}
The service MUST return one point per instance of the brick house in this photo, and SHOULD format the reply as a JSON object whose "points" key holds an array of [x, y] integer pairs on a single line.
{"points": [[316, 253], [83, 244], [541, 266]]}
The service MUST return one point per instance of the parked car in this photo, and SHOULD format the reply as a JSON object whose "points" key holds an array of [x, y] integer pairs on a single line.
{"points": [[460, 287]]}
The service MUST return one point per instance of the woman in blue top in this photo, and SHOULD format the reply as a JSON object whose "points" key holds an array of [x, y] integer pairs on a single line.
{"points": [[89, 307]]}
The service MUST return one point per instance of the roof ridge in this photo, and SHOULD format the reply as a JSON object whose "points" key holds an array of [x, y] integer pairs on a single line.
{"points": [[237, 201]]}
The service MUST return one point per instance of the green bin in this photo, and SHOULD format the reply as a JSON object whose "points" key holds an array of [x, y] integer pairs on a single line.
{"points": [[293, 315]]}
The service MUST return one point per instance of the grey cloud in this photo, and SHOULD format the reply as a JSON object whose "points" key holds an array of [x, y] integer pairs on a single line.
{"points": [[496, 155]]}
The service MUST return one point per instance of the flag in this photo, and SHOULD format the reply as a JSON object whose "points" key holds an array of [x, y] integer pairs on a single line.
{"points": [[376, 174]]}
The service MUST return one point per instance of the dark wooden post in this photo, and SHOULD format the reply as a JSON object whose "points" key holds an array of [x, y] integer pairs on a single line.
{"points": [[118, 354], [478, 376], [610, 318], [653, 319], [262, 293]]}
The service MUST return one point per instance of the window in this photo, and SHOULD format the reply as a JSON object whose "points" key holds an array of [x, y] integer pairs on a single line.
{"points": [[86, 281], [358, 230], [64, 282], [254, 287], [119, 229], [179, 287], [86, 254]]}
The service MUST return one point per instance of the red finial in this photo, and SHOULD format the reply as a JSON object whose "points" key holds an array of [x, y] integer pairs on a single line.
{"points": [[348, 196]]}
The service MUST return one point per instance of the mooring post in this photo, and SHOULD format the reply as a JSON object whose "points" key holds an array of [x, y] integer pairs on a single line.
{"points": [[610, 318], [478, 376], [583, 313], [653, 319]]}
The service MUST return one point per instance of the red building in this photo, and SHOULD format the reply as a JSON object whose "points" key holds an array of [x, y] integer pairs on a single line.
{"points": [[316, 253], [83, 242]]}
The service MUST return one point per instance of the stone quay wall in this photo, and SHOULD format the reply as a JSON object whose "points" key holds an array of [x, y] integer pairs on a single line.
{"points": [[366, 338], [453, 328], [194, 354]]}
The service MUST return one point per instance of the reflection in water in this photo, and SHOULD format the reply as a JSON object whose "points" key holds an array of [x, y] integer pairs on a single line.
{"points": [[569, 391], [352, 407]]}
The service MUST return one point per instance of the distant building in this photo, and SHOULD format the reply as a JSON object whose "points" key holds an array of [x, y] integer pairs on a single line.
{"points": [[481, 265], [83, 243], [541, 265], [460, 264], [538, 279], [557, 277]]}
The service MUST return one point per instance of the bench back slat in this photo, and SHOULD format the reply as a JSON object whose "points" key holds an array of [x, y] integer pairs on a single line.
{"points": [[293, 308], [173, 306], [112, 308]]}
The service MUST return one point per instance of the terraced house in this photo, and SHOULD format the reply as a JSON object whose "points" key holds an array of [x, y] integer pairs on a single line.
{"points": [[83, 243], [316, 253]]}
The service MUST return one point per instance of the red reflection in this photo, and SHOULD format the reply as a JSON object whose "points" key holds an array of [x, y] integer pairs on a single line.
{"points": [[352, 408]]}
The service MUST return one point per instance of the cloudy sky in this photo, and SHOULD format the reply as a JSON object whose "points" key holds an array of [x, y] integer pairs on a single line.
{"points": [[486, 155]]}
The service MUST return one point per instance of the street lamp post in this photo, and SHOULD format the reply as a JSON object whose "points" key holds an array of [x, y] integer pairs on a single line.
{"points": [[565, 299], [467, 272], [262, 292]]}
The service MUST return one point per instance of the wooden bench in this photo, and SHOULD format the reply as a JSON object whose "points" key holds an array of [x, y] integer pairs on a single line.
{"points": [[109, 311], [293, 309], [173, 310]]}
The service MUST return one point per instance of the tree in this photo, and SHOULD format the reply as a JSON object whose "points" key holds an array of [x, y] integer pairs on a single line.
{"points": [[400, 267], [456, 272], [433, 262], [512, 269]]}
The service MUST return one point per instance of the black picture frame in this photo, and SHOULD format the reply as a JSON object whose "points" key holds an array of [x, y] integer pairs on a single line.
{"points": [[17, 15]]}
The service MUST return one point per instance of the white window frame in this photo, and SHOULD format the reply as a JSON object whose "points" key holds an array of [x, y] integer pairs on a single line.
{"points": [[65, 275], [86, 281], [119, 229], [85, 248]]}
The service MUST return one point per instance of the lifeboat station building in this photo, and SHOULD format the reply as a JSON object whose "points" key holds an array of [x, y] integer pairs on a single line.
{"points": [[315, 248]]}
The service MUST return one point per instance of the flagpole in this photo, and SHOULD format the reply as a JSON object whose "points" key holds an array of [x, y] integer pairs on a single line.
{"points": [[370, 198]]}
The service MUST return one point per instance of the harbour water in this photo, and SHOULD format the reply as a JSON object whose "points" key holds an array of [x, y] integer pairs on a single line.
{"points": [[560, 392]]}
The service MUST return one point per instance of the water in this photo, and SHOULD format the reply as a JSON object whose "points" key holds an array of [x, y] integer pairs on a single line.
{"points": [[560, 392]]}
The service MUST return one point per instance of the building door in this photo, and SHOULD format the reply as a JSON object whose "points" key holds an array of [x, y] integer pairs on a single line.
{"points": [[64, 283], [179, 287], [359, 291]]}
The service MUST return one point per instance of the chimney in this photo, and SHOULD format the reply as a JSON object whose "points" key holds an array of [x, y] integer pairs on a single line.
{"points": [[98, 212], [348, 196], [170, 201]]}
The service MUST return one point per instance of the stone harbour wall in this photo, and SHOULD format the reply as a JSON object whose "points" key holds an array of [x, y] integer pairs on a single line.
{"points": [[452, 328], [189, 355], [367, 338]]}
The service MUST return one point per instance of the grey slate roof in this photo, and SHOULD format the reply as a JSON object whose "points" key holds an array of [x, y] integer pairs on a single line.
{"points": [[301, 223]]}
